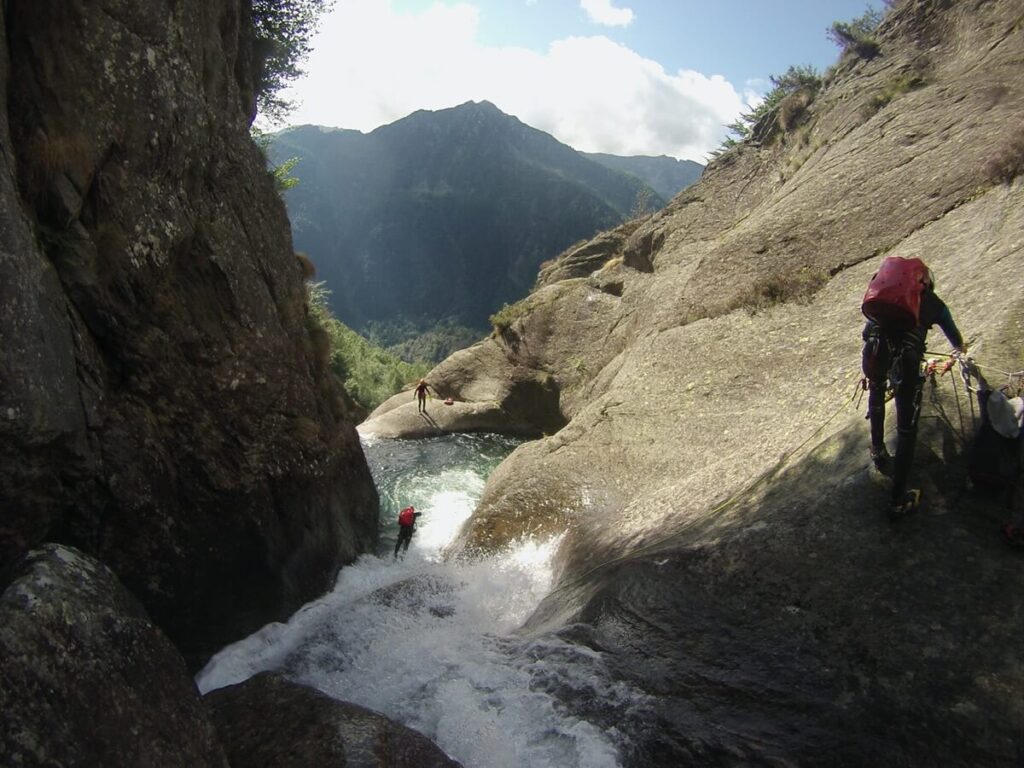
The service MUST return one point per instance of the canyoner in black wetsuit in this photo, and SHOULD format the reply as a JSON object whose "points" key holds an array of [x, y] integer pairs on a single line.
{"points": [[896, 355], [421, 395]]}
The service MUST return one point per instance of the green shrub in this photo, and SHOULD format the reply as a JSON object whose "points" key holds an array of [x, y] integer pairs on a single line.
{"points": [[281, 173], [760, 121], [502, 319], [897, 86], [858, 35], [370, 374]]}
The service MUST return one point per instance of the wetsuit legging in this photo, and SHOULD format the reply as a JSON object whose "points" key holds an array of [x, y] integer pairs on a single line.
{"points": [[897, 355], [404, 537]]}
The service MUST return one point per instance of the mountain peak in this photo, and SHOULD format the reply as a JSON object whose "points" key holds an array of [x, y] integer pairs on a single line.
{"points": [[480, 106]]}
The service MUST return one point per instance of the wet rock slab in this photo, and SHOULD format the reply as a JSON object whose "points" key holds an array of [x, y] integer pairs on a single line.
{"points": [[271, 722]]}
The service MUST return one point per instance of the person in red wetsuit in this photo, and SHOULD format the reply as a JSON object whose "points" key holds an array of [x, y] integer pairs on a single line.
{"points": [[896, 355], [406, 526]]}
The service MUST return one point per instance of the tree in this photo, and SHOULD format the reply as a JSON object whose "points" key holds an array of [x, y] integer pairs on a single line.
{"points": [[282, 31]]}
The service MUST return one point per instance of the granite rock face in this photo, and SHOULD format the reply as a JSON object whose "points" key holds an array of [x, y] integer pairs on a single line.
{"points": [[727, 546], [165, 403], [269, 721], [87, 679]]}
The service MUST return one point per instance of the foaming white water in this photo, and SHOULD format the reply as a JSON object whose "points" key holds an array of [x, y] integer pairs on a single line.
{"points": [[431, 645]]}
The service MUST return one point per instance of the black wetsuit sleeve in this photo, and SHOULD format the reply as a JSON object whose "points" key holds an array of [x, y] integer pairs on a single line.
{"points": [[983, 404], [945, 322], [935, 312]]}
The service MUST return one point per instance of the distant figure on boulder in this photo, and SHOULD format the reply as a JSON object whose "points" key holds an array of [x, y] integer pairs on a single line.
{"points": [[995, 462], [901, 305], [421, 395], [406, 526]]}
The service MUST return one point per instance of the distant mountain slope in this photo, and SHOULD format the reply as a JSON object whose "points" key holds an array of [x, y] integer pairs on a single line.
{"points": [[442, 214], [665, 175]]}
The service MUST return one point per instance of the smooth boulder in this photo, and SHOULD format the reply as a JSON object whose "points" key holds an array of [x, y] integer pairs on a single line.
{"points": [[271, 722], [86, 679]]}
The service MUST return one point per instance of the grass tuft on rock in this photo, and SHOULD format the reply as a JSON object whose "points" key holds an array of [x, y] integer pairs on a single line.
{"points": [[1008, 163]]}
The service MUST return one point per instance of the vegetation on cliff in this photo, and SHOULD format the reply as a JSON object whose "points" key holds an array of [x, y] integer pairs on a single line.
{"points": [[370, 374], [859, 35], [282, 30], [429, 340], [793, 91]]}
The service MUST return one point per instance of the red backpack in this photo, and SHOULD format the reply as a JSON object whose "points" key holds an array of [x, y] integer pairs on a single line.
{"points": [[406, 517], [893, 298]]}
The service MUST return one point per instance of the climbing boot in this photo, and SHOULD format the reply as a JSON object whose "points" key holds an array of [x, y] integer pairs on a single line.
{"points": [[907, 505], [879, 457]]}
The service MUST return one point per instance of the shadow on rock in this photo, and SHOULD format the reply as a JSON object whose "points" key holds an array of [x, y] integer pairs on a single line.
{"points": [[799, 625]]}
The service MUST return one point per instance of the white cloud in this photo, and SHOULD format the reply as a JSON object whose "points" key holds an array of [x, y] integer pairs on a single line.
{"points": [[603, 12], [372, 65]]}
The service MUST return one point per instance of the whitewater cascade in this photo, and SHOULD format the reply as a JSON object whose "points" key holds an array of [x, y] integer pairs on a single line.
{"points": [[433, 644]]}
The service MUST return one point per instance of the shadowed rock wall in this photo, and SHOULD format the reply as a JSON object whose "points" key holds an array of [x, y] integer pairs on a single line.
{"points": [[163, 405]]}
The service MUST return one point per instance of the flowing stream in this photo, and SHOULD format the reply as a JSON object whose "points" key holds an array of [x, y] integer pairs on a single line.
{"points": [[432, 644]]}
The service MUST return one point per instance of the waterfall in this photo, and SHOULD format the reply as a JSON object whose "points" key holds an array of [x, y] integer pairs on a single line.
{"points": [[432, 644]]}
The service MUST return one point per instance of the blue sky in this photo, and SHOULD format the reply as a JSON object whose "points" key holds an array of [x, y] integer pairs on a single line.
{"points": [[620, 76]]}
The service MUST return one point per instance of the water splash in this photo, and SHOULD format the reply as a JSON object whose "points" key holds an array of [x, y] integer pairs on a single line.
{"points": [[431, 644]]}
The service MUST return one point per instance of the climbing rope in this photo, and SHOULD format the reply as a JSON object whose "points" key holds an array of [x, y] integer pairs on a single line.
{"points": [[932, 371], [1014, 379]]}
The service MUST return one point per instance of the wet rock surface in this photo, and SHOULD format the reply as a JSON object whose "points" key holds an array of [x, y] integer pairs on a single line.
{"points": [[273, 722], [86, 678]]}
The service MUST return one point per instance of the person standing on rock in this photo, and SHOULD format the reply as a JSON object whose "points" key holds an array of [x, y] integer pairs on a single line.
{"points": [[421, 396], [901, 305], [406, 527]]}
